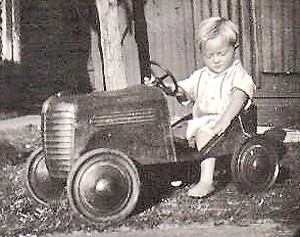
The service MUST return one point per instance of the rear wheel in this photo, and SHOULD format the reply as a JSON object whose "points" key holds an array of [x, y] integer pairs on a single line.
{"points": [[42, 187], [103, 185], [254, 165]]}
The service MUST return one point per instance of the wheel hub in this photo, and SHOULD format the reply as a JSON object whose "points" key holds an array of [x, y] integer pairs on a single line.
{"points": [[103, 185], [103, 189]]}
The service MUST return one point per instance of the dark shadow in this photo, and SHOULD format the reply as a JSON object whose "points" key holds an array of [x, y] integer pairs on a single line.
{"points": [[223, 171], [10, 155], [284, 174], [55, 39], [276, 137], [155, 186], [156, 182], [156, 179], [69, 46], [192, 170], [10, 76], [141, 37]]}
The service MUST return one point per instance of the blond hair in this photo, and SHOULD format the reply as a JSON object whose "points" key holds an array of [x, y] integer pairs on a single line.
{"points": [[215, 26]]}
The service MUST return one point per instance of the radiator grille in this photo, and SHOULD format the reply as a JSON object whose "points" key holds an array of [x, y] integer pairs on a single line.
{"points": [[134, 116], [59, 139]]}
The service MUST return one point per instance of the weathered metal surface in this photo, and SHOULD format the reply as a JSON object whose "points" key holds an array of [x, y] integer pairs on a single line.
{"points": [[134, 121], [59, 121]]}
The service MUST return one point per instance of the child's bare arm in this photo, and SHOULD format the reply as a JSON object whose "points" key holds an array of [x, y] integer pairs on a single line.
{"points": [[237, 102]]}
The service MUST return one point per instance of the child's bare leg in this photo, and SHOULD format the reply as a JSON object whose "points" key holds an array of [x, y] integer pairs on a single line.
{"points": [[205, 186]]}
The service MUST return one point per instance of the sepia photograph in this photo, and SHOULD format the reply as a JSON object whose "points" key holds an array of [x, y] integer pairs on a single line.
{"points": [[145, 118]]}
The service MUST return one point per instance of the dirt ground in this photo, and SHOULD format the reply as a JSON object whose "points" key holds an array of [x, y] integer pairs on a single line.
{"points": [[203, 230], [162, 208]]}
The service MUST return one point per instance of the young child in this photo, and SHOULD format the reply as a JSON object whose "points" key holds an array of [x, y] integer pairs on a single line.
{"points": [[219, 91]]}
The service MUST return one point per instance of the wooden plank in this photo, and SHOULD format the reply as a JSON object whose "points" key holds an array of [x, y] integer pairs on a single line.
{"points": [[95, 63], [278, 112], [288, 36], [189, 49], [171, 35], [129, 46], [206, 11], [234, 11], [171, 39], [246, 34], [114, 69], [283, 85], [255, 64], [267, 36], [200, 12], [6, 34], [278, 41], [197, 13], [296, 34], [16, 31], [257, 12], [277, 32], [224, 8], [278, 21], [240, 13], [215, 9], [235, 16]]}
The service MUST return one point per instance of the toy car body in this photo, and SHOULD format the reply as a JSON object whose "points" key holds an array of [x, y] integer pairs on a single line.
{"points": [[93, 143]]}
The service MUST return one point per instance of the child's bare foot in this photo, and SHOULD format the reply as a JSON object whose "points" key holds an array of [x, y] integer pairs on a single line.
{"points": [[201, 189]]}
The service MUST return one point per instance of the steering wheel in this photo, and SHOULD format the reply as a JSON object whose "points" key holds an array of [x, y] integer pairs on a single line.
{"points": [[172, 87]]}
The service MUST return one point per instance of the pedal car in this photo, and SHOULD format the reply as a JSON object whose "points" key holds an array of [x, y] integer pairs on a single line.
{"points": [[94, 144]]}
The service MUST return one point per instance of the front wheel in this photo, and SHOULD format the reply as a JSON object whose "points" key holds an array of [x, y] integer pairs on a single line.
{"points": [[43, 188], [103, 185], [254, 165]]}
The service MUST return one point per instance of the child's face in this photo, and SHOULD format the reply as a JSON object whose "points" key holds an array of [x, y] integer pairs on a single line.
{"points": [[218, 54]]}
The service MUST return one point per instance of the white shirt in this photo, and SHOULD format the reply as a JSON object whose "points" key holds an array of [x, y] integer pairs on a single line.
{"points": [[211, 94]]}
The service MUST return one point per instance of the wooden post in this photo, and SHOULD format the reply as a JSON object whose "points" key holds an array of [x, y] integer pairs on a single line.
{"points": [[114, 69]]}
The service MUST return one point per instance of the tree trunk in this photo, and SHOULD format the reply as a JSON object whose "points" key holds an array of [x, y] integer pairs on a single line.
{"points": [[114, 69]]}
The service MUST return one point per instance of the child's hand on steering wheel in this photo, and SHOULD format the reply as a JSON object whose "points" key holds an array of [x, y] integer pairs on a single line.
{"points": [[153, 81], [150, 81]]}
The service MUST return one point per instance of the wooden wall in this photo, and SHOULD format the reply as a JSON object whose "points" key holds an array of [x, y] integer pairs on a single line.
{"points": [[57, 44], [279, 35], [130, 52], [269, 46], [172, 26], [171, 39], [241, 13]]}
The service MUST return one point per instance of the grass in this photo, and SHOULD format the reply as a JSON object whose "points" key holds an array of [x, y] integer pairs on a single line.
{"points": [[160, 204]]}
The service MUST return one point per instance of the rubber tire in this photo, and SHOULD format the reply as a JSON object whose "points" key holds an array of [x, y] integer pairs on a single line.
{"points": [[246, 178], [79, 179], [42, 187]]}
